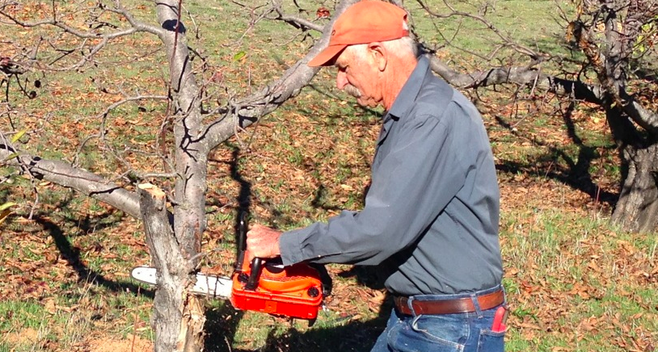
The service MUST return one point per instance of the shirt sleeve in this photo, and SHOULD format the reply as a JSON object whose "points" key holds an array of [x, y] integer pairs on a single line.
{"points": [[411, 185]]}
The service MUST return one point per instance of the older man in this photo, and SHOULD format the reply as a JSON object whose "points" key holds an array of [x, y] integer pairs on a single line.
{"points": [[430, 219]]}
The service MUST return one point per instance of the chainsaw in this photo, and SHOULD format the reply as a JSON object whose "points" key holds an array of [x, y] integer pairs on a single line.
{"points": [[294, 291]]}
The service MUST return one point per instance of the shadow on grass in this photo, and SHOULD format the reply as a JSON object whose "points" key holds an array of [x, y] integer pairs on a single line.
{"points": [[577, 172], [71, 254], [353, 336]]}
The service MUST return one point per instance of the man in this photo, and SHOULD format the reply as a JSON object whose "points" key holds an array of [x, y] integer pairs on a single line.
{"points": [[430, 219]]}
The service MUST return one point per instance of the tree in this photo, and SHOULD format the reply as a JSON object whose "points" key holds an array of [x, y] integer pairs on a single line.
{"points": [[614, 37], [174, 222]]}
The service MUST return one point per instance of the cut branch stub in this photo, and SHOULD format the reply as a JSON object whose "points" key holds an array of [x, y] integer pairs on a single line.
{"points": [[175, 311]]}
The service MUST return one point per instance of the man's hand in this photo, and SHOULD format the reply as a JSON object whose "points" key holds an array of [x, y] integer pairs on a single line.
{"points": [[263, 242]]}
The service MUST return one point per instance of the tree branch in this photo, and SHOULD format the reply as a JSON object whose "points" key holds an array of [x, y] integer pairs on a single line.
{"points": [[295, 21], [80, 180], [136, 26], [518, 75], [249, 109]]}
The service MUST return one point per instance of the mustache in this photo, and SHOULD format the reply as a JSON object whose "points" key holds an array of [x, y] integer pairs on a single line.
{"points": [[352, 90]]}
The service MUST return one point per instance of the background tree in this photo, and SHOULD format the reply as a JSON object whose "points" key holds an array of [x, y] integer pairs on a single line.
{"points": [[615, 39], [612, 45]]}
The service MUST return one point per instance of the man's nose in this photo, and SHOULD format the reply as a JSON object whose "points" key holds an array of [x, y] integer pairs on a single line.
{"points": [[341, 80]]}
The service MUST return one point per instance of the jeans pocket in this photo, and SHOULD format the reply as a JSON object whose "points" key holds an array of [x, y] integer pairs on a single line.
{"points": [[450, 333], [491, 341]]}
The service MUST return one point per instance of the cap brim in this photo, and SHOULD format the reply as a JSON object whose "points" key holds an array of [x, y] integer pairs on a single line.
{"points": [[327, 56]]}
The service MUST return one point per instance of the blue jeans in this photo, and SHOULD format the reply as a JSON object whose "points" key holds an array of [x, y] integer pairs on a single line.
{"points": [[463, 332]]}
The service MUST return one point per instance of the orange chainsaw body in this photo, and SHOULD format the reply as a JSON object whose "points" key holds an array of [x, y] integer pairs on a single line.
{"points": [[294, 291]]}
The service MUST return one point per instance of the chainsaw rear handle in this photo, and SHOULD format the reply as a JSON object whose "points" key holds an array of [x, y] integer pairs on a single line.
{"points": [[252, 282], [242, 241], [256, 263]]}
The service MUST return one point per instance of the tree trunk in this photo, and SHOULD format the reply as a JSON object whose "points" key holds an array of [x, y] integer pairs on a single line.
{"points": [[637, 208], [178, 317]]}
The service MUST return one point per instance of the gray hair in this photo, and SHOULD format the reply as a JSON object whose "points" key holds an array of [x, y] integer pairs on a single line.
{"points": [[398, 47]]}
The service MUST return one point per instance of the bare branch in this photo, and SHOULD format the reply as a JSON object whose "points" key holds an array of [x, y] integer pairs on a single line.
{"points": [[85, 36], [644, 117], [253, 107], [506, 40], [80, 180], [103, 116], [136, 26], [296, 21]]}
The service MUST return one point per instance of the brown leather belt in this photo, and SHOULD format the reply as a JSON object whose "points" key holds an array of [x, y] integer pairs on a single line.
{"points": [[451, 306]]}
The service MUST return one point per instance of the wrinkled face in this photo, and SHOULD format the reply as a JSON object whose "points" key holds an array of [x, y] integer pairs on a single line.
{"points": [[357, 75]]}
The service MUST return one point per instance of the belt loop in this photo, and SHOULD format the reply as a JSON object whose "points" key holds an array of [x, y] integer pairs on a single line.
{"points": [[476, 304], [410, 305]]}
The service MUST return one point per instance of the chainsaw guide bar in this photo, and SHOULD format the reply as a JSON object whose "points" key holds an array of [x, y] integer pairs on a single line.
{"points": [[207, 285]]}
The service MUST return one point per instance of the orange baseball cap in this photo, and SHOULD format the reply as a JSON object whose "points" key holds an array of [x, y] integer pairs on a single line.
{"points": [[365, 22]]}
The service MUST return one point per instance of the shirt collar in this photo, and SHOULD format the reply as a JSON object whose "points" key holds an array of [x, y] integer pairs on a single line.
{"points": [[405, 99]]}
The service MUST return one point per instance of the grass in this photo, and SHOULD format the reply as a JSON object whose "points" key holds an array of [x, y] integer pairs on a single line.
{"points": [[593, 272], [66, 323], [574, 282], [535, 26]]}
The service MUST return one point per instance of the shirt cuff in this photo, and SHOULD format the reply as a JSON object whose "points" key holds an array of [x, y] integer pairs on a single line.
{"points": [[291, 248]]}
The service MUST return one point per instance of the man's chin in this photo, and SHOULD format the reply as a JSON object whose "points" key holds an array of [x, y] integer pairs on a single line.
{"points": [[367, 103]]}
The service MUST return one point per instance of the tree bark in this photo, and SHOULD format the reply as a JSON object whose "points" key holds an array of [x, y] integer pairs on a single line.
{"points": [[178, 316], [637, 207], [191, 146]]}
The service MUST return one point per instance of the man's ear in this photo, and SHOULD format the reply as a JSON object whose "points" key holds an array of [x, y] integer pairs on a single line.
{"points": [[379, 55]]}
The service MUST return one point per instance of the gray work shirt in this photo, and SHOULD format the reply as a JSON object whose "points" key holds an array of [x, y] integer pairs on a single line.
{"points": [[431, 214]]}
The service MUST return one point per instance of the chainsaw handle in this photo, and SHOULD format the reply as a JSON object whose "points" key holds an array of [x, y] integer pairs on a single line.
{"points": [[252, 282], [242, 241]]}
